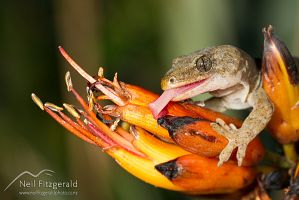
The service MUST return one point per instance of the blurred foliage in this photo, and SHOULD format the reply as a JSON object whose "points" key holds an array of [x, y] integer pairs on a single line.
{"points": [[138, 39]]}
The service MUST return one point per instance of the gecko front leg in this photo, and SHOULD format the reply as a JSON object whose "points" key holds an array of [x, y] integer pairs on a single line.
{"points": [[256, 121]]}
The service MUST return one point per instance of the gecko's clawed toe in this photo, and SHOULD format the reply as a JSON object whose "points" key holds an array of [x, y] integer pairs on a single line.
{"points": [[232, 126], [220, 122], [241, 152], [226, 153], [219, 129]]}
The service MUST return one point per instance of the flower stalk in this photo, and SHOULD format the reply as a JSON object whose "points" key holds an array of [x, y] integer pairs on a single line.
{"points": [[144, 145]]}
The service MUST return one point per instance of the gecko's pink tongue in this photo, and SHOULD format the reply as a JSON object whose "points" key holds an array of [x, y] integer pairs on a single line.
{"points": [[158, 105]]}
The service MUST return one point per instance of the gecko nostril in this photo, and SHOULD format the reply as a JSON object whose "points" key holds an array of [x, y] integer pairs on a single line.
{"points": [[172, 80]]}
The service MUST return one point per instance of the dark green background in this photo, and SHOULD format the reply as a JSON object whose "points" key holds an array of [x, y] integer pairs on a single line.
{"points": [[138, 39]]}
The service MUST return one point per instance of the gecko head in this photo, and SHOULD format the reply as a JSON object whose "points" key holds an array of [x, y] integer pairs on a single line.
{"points": [[210, 69]]}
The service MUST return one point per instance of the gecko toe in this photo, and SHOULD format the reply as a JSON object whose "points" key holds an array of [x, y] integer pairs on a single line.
{"points": [[232, 126], [226, 153], [241, 153], [219, 129], [220, 121]]}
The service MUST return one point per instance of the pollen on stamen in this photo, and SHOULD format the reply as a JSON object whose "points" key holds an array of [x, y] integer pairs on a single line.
{"points": [[101, 72], [68, 81], [115, 124], [85, 121], [91, 100], [37, 101], [53, 107], [115, 80], [87, 90], [71, 110]]}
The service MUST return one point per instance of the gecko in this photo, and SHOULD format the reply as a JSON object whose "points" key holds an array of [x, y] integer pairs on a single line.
{"points": [[232, 77]]}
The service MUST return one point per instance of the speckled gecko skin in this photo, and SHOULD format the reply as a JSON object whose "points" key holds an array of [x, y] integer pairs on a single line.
{"points": [[232, 77]]}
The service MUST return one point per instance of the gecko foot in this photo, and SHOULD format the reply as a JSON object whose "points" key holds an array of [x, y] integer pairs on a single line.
{"points": [[236, 138]]}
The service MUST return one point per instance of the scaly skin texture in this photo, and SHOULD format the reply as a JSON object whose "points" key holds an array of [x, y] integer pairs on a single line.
{"points": [[231, 76]]}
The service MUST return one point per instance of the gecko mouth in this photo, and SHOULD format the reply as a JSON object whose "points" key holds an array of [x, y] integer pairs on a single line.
{"points": [[171, 94]]}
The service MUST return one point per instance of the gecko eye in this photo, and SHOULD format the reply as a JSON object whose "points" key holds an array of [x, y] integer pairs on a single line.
{"points": [[203, 64], [172, 80]]}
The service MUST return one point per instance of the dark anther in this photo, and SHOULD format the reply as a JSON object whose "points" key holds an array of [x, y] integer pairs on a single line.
{"points": [[169, 169], [173, 123]]}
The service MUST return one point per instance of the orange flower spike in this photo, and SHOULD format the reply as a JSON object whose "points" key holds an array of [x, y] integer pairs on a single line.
{"points": [[140, 152], [281, 83], [201, 175], [197, 136], [142, 167]]}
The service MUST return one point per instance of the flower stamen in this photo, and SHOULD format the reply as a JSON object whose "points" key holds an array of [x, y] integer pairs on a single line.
{"points": [[53, 107], [68, 81], [37, 101], [101, 72], [115, 124], [90, 79]]}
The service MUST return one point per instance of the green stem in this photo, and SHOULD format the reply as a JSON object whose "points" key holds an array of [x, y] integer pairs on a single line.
{"points": [[290, 152]]}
